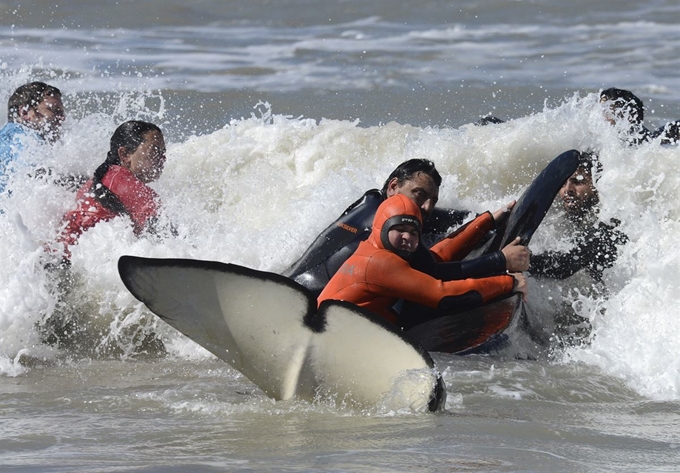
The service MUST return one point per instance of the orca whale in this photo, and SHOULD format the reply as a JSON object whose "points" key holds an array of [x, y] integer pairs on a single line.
{"points": [[269, 328]]}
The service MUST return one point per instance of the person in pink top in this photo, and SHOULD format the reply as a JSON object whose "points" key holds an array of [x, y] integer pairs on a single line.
{"points": [[119, 187]]}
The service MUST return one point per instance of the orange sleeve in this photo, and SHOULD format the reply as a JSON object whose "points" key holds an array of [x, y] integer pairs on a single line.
{"points": [[391, 276], [459, 243]]}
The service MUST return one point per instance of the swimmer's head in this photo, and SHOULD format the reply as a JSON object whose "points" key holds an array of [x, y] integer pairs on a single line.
{"points": [[38, 106], [140, 147], [579, 194], [622, 104], [417, 179], [397, 225]]}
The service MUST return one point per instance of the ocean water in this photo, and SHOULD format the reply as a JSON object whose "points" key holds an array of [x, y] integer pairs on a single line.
{"points": [[277, 116]]}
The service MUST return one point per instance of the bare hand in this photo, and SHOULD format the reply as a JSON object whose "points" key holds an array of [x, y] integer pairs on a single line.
{"points": [[502, 213], [520, 284], [516, 256]]}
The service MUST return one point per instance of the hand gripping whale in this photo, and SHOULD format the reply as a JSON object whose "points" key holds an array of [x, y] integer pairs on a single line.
{"points": [[268, 327], [501, 327]]}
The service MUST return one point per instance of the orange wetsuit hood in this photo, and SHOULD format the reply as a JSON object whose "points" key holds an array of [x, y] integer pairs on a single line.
{"points": [[396, 210]]}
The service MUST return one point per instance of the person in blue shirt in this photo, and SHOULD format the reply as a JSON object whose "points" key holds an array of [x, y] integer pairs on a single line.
{"points": [[34, 112]]}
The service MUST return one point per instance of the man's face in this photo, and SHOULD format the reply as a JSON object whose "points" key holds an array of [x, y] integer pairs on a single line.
{"points": [[421, 189], [617, 110], [46, 118], [578, 194]]}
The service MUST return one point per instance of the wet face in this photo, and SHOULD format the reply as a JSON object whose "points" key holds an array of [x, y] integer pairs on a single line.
{"points": [[46, 118], [421, 189], [578, 194], [404, 237], [148, 160], [615, 111]]}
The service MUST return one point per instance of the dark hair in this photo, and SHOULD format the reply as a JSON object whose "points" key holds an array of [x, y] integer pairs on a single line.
{"points": [[129, 135], [30, 95], [406, 170], [625, 100], [488, 120], [589, 162]]}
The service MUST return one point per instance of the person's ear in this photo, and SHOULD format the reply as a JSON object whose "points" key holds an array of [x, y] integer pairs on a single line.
{"points": [[392, 187], [25, 114], [124, 156]]}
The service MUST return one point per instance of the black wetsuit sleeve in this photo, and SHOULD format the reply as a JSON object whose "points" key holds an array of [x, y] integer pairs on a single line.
{"points": [[492, 264], [595, 250], [669, 133], [556, 264]]}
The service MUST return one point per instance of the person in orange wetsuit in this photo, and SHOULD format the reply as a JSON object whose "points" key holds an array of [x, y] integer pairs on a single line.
{"points": [[119, 186], [379, 273], [419, 180]]}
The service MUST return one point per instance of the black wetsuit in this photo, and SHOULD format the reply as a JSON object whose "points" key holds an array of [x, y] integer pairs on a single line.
{"points": [[637, 135], [669, 133], [595, 249], [339, 241]]}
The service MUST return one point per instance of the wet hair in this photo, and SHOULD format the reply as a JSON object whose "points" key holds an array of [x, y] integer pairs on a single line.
{"points": [[408, 169], [30, 95], [625, 100], [589, 162], [129, 135]]}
